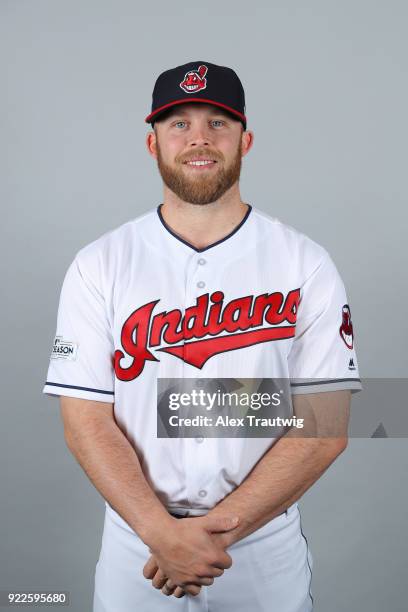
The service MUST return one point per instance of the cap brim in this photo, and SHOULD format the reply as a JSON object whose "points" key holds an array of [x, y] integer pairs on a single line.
{"points": [[156, 113]]}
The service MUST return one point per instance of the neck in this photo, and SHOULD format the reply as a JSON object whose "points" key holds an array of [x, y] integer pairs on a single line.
{"points": [[202, 225]]}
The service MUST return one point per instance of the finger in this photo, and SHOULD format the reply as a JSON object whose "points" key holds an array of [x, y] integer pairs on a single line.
{"points": [[179, 592], [150, 568], [212, 572], [217, 523], [216, 572], [192, 589], [206, 580], [169, 587], [224, 560], [202, 579], [159, 579]]}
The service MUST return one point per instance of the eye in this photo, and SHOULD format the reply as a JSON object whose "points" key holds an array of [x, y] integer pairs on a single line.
{"points": [[217, 121], [178, 123]]}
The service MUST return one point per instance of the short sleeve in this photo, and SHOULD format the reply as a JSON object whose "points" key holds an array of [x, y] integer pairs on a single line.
{"points": [[323, 353], [81, 358]]}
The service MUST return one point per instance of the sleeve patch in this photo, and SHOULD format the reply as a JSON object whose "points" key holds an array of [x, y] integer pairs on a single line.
{"points": [[63, 349], [346, 327]]}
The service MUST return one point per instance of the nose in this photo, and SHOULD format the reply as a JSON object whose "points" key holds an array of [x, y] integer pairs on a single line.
{"points": [[199, 135]]}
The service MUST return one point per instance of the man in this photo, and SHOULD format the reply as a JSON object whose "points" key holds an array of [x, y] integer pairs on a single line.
{"points": [[204, 287]]}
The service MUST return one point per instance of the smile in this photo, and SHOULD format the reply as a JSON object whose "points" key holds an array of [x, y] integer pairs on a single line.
{"points": [[201, 162]]}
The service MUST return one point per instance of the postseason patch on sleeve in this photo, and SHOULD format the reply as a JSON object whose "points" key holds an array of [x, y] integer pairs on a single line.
{"points": [[63, 349]]}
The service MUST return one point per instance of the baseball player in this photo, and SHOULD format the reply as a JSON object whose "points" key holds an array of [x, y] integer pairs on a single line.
{"points": [[202, 286]]}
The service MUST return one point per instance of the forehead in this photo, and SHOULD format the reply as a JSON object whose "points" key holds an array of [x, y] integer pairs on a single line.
{"points": [[195, 109]]}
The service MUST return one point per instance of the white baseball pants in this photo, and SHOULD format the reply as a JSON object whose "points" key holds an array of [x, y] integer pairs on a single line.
{"points": [[271, 572]]}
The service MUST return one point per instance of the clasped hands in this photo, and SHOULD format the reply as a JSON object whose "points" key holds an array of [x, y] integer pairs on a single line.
{"points": [[189, 553]]}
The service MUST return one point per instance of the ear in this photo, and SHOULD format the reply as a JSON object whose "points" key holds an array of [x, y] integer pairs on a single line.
{"points": [[247, 140], [151, 144]]}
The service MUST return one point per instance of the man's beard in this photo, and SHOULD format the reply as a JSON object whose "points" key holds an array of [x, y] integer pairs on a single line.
{"points": [[200, 187]]}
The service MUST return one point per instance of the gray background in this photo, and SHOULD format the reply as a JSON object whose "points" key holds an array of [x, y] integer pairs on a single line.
{"points": [[326, 97]]}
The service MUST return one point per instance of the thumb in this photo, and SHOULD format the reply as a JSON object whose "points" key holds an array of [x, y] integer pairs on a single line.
{"points": [[220, 523]]}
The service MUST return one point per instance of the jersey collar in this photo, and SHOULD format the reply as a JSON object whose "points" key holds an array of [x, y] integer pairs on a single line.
{"points": [[210, 246]]}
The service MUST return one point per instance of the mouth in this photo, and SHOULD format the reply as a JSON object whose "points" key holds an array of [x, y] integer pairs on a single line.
{"points": [[191, 87], [200, 164]]}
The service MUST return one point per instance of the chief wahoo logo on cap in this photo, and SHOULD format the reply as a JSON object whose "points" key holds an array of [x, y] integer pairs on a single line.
{"points": [[195, 80]]}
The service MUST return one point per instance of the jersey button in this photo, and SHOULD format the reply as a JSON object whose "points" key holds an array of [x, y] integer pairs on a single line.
{"points": [[201, 261], [202, 493], [199, 439], [201, 284]]}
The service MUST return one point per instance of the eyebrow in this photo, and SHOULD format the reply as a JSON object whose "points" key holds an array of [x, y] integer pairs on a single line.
{"points": [[177, 114]]}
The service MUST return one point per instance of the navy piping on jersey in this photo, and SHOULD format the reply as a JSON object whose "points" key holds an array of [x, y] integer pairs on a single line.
{"points": [[50, 384], [325, 382], [210, 245]]}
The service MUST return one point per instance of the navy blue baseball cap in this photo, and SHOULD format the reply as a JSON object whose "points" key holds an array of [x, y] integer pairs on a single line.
{"points": [[198, 82]]}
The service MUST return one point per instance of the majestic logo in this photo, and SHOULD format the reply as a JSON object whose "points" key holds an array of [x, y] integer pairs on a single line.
{"points": [[346, 327], [351, 364], [242, 322], [195, 80]]}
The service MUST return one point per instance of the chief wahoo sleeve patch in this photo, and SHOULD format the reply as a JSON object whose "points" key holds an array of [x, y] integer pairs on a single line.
{"points": [[346, 327]]}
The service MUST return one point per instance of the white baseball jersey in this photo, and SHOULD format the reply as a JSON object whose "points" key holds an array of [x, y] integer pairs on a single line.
{"points": [[140, 303]]}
